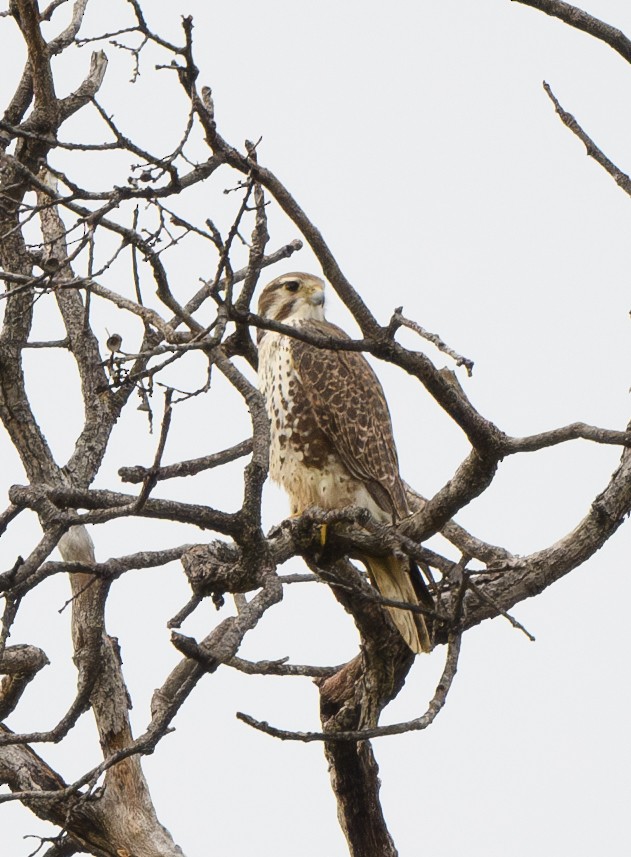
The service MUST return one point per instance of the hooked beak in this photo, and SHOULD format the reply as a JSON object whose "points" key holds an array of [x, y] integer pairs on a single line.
{"points": [[316, 298]]}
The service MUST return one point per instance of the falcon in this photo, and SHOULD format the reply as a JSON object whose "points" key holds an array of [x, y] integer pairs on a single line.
{"points": [[331, 435]]}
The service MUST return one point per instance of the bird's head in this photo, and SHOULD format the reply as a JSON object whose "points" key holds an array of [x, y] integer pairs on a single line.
{"points": [[293, 297]]}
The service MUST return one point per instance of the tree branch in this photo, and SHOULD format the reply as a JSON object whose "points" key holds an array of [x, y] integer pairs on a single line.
{"points": [[621, 179], [581, 20]]}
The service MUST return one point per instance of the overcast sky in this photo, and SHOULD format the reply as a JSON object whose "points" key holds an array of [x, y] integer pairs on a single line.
{"points": [[418, 137]]}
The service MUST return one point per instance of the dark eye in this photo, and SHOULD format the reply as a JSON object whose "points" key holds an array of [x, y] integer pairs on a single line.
{"points": [[292, 286]]}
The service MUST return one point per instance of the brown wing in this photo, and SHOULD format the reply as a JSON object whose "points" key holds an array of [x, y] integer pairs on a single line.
{"points": [[349, 406]]}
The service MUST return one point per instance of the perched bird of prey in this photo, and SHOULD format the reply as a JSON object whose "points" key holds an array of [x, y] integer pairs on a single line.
{"points": [[331, 434]]}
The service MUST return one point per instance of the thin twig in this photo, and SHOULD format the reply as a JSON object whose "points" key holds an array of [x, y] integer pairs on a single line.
{"points": [[621, 179], [419, 723], [399, 320], [483, 596], [190, 467], [151, 479]]}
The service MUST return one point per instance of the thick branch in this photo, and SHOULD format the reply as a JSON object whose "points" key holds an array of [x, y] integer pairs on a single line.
{"points": [[110, 504], [19, 664], [525, 577], [125, 808], [581, 20]]}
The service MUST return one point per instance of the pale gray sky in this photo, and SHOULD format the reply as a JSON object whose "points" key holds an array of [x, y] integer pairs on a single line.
{"points": [[418, 137]]}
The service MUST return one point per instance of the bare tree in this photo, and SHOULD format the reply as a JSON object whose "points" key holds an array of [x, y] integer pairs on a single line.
{"points": [[62, 238]]}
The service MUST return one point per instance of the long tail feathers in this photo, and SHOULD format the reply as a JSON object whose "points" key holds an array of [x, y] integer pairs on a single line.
{"points": [[391, 577]]}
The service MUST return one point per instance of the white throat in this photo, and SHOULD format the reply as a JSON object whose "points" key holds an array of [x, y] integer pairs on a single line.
{"points": [[306, 311]]}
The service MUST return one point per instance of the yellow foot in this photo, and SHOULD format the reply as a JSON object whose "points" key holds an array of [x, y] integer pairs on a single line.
{"points": [[322, 528]]}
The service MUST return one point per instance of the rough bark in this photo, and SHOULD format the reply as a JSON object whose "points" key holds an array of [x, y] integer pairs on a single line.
{"points": [[117, 818]]}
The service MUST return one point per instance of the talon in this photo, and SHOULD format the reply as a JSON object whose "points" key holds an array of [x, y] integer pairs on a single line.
{"points": [[322, 528]]}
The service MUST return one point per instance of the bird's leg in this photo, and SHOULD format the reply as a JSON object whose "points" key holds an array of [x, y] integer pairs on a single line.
{"points": [[321, 527]]}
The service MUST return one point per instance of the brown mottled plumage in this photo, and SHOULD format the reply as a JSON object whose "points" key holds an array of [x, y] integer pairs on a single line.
{"points": [[331, 435]]}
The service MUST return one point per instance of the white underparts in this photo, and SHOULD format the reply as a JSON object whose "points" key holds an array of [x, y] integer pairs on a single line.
{"points": [[329, 486]]}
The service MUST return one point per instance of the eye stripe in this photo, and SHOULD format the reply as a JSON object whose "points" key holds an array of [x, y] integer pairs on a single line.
{"points": [[285, 310]]}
